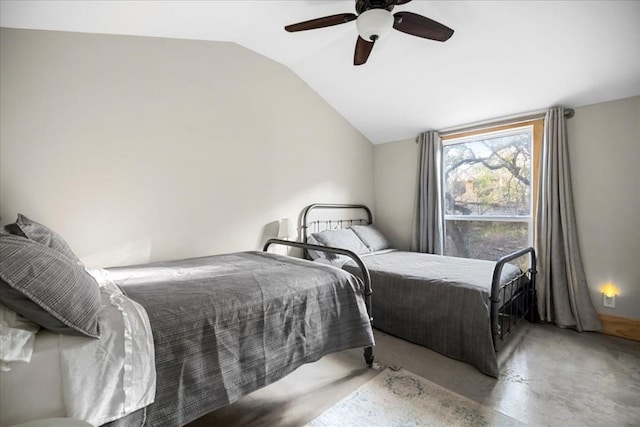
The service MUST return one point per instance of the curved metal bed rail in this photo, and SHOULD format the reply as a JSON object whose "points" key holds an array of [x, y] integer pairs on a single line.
{"points": [[496, 288], [366, 278]]}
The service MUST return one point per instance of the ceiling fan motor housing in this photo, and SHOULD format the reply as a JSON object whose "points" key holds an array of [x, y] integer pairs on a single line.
{"points": [[364, 5]]}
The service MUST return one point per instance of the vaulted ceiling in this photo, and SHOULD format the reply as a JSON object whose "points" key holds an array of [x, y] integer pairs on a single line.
{"points": [[505, 57]]}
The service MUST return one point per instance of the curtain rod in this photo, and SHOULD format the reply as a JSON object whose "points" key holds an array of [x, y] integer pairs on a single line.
{"points": [[568, 113]]}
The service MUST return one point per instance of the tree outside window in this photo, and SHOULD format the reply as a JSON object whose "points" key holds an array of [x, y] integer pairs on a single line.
{"points": [[488, 192]]}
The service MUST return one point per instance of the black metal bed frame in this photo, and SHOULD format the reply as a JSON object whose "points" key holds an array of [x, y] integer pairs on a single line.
{"points": [[510, 302], [366, 278]]}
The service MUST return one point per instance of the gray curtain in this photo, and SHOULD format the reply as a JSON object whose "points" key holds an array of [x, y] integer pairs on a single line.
{"points": [[428, 218], [563, 294]]}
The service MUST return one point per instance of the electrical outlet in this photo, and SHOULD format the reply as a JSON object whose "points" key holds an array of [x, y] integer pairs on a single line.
{"points": [[609, 301]]}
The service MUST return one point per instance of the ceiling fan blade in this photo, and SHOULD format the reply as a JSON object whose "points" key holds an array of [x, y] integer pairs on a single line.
{"points": [[326, 21], [420, 26], [399, 2], [363, 49]]}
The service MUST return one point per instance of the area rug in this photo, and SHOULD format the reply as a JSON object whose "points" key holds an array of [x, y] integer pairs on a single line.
{"points": [[400, 398]]}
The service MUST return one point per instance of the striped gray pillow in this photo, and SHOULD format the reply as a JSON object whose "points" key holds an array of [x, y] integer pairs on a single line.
{"points": [[48, 288], [372, 237], [341, 238], [314, 254], [42, 234]]}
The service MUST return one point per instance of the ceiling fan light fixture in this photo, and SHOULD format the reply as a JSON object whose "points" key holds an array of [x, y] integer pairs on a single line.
{"points": [[374, 24]]}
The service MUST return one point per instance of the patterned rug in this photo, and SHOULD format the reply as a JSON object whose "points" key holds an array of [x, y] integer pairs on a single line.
{"points": [[400, 398]]}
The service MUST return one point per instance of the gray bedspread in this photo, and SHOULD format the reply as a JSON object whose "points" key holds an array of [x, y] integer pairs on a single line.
{"points": [[227, 325], [436, 301]]}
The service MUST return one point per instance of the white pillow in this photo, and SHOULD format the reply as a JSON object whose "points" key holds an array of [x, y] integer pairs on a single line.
{"points": [[17, 338]]}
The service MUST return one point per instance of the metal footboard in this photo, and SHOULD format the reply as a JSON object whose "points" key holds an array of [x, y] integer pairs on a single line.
{"points": [[366, 278], [514, 300]]}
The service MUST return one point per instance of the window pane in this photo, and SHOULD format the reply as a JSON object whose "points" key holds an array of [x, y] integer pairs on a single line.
{"points": [[489, 176], [485, 239]]}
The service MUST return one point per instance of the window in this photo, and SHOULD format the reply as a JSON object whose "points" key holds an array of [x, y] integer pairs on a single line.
{"points": [[489, 187]]}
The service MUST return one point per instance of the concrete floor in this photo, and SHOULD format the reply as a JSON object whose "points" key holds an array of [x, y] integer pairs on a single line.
{"points": [[548, 377]]}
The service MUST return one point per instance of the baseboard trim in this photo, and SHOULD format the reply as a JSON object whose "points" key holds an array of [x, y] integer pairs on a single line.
{"points": [[620, 327]]}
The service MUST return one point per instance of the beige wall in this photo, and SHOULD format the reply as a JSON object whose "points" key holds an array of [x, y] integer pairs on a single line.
{"points": [[137, 149], [396, 173], [604, 143]]}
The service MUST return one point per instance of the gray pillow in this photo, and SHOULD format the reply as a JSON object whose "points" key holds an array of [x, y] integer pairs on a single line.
{"points": [[48, 288], [42, 234], [314, 254], [341, 238], [372, 237]]}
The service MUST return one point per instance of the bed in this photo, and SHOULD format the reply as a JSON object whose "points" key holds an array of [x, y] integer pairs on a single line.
{"points": [[463, 308], [169, 341]]}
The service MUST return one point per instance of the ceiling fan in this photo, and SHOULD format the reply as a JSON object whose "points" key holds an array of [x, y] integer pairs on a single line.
{"points": [[374, 21]]}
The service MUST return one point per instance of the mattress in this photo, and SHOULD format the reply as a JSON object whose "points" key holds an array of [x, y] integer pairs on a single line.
{"points": [[33, 390], [229, 324], [440, 302]]}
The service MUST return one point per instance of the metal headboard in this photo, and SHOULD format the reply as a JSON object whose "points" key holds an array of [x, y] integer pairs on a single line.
{"points": [[310, 225]]}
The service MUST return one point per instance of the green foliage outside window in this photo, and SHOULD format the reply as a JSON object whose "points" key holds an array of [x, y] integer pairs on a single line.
{"points": [[487, 183]]}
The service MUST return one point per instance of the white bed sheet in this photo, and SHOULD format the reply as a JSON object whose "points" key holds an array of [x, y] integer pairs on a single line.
{"points": [[95, 380]]}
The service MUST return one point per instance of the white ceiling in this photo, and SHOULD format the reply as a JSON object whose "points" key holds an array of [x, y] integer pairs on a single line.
{"points": [[505, 57]]}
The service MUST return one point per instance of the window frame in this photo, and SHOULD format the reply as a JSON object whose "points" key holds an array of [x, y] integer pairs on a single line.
{"points": [[537, 131]]}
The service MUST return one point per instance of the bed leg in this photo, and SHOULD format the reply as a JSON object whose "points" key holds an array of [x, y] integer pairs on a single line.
{"points": [[532, 315], [368, 356]]}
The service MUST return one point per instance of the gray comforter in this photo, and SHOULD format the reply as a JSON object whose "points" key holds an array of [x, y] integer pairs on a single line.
{"points": [[227, 325], [436, 301]]}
